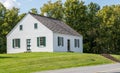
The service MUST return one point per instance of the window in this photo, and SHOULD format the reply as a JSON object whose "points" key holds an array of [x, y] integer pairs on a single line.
{"points": [[77, 43], [60, 41], [21, 27], [35, 26], [16, 43], [41, 41]]}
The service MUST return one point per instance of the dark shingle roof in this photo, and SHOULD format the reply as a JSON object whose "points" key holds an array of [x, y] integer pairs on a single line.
{"points": [[55, 25]]}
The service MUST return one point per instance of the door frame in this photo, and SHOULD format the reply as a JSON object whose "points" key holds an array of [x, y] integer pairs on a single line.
{"points": [[28, 45]]}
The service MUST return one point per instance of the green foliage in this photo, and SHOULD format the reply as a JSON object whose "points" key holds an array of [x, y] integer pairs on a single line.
{"points": [[8, 19], [75, 14], [2, 16], [100, 27], [54, 10], [32, 62], [109, 38], [90, 33], [34, 10]]}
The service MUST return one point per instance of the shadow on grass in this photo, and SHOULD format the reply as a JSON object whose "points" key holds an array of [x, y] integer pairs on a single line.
{"points": [[1, 57]]}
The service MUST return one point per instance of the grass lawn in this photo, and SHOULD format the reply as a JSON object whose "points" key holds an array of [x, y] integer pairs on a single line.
{"points": [[116, 56], [32, 62]]}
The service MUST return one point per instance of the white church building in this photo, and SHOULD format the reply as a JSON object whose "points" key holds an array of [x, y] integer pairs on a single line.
{"points": [[35, 33]]}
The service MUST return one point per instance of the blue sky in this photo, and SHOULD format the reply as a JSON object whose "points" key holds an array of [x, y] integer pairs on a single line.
{"points": [[26, 5]]}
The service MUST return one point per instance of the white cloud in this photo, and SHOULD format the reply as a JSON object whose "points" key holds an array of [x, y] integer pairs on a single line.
{"points": [[10, 3]]}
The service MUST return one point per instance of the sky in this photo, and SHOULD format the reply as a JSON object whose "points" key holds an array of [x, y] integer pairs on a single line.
{"points": [[26, 5]]}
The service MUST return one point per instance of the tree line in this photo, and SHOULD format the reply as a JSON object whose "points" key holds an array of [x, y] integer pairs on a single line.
{"points": [[8, 19], [100, 27]]}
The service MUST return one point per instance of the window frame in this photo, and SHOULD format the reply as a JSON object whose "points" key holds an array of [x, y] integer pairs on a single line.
{"points": [[41, 41], [21, 27], [16, 43], [35, 25], [76, 43], [60, 41]]}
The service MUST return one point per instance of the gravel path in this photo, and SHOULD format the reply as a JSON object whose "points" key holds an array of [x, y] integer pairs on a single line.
{"points": [[109, 68]]}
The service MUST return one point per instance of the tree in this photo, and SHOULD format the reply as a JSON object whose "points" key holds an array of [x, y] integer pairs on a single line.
{"points": [[2, 15], [8, 19], [91, 28], [99, 27], [34, 10], [54, 10], [80, 17], [109, 37], [75, 14]]}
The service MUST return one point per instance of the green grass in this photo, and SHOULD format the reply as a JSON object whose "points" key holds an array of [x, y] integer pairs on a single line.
{"points": [[116, 56], [32, 62]]}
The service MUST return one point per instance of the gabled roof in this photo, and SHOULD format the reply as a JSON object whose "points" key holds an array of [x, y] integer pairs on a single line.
{"points": [[55, 25]]}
